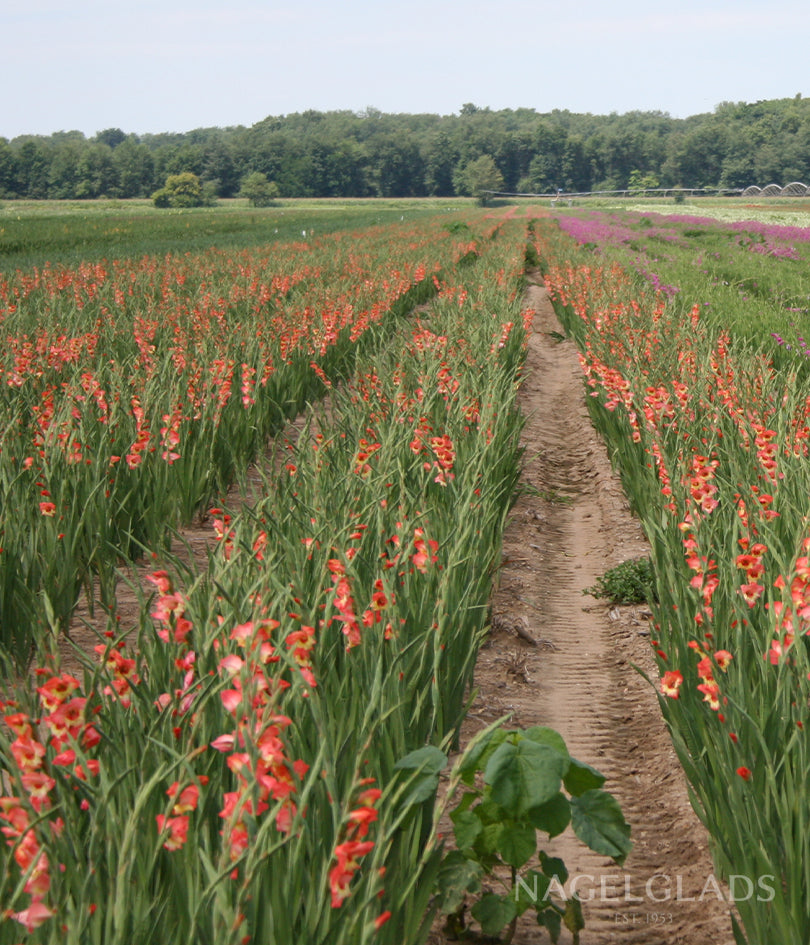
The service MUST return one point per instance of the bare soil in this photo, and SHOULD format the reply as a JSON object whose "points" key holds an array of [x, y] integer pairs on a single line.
{"points": [[570, 525]]}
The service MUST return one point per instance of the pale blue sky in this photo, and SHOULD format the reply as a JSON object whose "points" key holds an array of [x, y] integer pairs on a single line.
{"points": [[175, 65]]}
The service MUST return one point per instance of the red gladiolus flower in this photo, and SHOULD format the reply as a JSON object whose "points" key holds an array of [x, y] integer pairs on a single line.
{"points": [[705, 670], [723, 658], [38, 786], [161, 580], [340, 876], [185, 800], [751, 592], [178, 830], [671, 683], [360, 820], [20, 724], [28, 753], [381, 919], [711, 694], [39, 882], [425, 551]]}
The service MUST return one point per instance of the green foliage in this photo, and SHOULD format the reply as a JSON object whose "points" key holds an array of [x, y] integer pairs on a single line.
{"points": [[631, 582], [479, 176], [457, 227], [509, 785], [342, 154], [208, 196], [180, 191], [639, 182], [260, 191]]}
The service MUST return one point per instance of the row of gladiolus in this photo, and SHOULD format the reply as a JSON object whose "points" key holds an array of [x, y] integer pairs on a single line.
{"points": [[713, 443], [226, 771], [747, 275], [135, 391]]}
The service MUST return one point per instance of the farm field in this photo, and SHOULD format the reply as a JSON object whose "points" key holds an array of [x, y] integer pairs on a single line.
{"points": [[72, 231], [274, 714]]}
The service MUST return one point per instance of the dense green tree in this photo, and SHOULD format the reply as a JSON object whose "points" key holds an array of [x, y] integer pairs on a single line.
{"points": [[186, 158], [545, 169], [8, 169], [439, 160], [96, 172], [480, 176], [737, 170], [344, 153], [134, 169], [260, 191], [33, 167], [112, 137], [696, 157], [639, 182], [63, 170], [516, 155], [179, 191], [395, 167], [217, 165], [575, 167]]}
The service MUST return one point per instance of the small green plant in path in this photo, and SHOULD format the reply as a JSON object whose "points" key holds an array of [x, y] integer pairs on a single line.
{"points": [[631, 582], [508, 785]]}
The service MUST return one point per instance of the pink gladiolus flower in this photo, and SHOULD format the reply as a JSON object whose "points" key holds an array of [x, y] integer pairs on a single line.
{"points": [[231, 664], [223, 742], [34, 915]]}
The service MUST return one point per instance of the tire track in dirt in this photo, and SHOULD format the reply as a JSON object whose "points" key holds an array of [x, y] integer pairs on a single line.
{"points": [[571, 524]]}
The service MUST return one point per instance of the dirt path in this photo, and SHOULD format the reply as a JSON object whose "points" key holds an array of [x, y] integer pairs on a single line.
{"points": [[573, 524]]}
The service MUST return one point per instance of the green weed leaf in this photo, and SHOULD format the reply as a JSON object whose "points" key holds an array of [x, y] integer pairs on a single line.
{"points": [[524, 775], [553, 816], [573, 919], [598, 821], [518, 844], [467, 828], [457, 878], [551, 920], [493, 912], [581, 777], [429, 760]]}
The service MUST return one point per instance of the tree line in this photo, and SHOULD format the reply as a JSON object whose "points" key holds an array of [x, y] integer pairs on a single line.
{"points": [[374, 154]]}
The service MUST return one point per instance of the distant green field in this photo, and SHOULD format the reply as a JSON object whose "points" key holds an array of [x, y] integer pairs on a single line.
{"points": [[35, 232], [70, 232]]}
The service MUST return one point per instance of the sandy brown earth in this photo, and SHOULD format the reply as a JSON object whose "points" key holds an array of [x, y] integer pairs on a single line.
{"points": [[571, 524]]}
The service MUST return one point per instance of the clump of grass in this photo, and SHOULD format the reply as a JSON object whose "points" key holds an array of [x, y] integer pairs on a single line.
{"points": [[631, 582]]}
